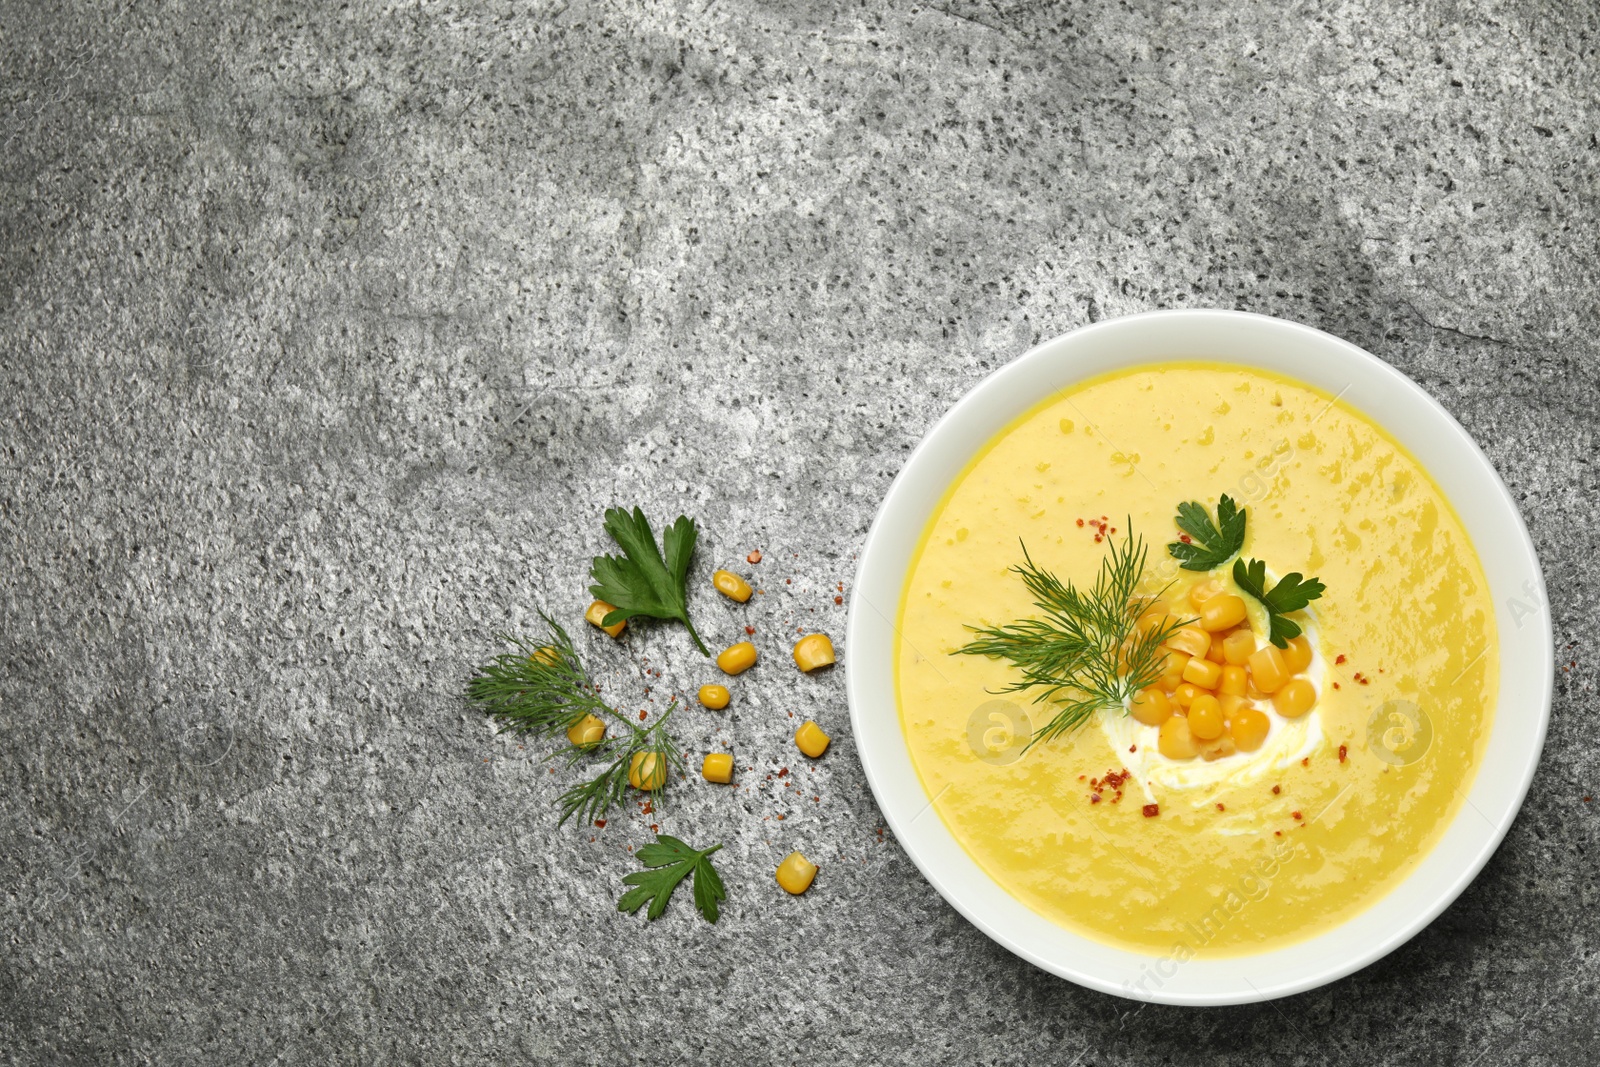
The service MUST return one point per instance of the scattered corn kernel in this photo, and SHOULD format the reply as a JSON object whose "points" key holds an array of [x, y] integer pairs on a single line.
{"points": [[1205, 717], [546, 655], [736, 659], [647, 771], [1234, 680], [1297, 697], [597, 613], [1222, 612], [715, 697], [1184, 695], [1298, 654], [1176, 741], [1215, 653], [1248, 727], [1231, 704], [717, 767], [1203, 673], [1150, 707], [813, 651], [1191, 640], [812, 741], [1237, 646], [1172, 667], [1267, 669], [795, 873], [1153, 617], [731, 586], [589, 730]]}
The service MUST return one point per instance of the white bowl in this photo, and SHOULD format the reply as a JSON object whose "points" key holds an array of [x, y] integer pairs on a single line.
{"points": [[1387, 397]]}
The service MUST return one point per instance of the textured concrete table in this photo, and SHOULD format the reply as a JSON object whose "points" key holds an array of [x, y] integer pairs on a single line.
{"points": [[326, 334]]}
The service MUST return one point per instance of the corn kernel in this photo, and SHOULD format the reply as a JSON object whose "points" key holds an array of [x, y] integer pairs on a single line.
{"points": [[812, 741], [1237, 646], [1248, 727], [597, 613], [1234, 680], [813, 651], [1203, 673], [589, 730], [715, 697], [1215, 653], [1201, 592], [1298, 654], [731, 586], [1222, 612], [1185, 693], [736, 659], [1191, 640], [647, 771], [1297, 697], [1153, 617], [1267, 669], [1205, 717], [546, 656], [1218, 747], [1150, 707], [1232, 704], [717, 767], [1176, 741], [795, 873], [1172, 666]]}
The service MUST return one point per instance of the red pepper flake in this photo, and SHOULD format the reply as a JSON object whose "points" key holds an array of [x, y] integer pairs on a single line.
{"points": [[1336, 685], [1113, 529], [838, 600], [642, 714], [783, 772], [787, 581], [656, 829], [1080, 777], [1133, 748], [840, 587], [1344, 750], [1185, 539], [1080, 523], [647, 809], [780, 819], [749, 631], [1098, 539], [1277, 833], [1151, 810], [1587, 799], [1220, 807], [754, 556], [601, 823], [1277, 789], [1296, 814], [1340, 659], [1094, 798], [1306, 762]]}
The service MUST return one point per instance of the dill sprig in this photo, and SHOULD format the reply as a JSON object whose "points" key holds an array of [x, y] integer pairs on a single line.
{"points": [[592, 799], [542, 690], [1086, 651], [539, 690]]}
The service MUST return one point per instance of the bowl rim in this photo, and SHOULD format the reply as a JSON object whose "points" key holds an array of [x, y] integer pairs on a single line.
{"points": [[1416, 419]]}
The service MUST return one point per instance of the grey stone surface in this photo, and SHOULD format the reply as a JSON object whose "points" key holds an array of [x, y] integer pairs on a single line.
{"points": [[327, 332]]}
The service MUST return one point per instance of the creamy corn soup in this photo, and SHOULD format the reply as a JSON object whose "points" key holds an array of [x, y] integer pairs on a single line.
{"points": [[1327, 769]]}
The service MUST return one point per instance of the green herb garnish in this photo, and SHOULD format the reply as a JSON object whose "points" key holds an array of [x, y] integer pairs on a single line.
{"points": [[671, 861], [641, 582], [540, 691], [592, 799], [1290, 594], [1214, 543], [1086, 652]]}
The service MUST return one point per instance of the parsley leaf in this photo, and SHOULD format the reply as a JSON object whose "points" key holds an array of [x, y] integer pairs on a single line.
{"points": [[1215, 543], [640, 582], [671, 861], [1292, 593]]}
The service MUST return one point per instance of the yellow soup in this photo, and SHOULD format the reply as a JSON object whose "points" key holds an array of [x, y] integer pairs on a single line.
{"points": [[1251, 850]]}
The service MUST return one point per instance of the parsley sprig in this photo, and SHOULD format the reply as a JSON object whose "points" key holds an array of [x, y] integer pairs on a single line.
{"points": [[1292, 592], [1086, 651], [670, 861], [643, 581], [1213, 543]]}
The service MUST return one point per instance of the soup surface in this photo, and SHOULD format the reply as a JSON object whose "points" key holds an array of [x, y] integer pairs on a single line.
{"points": [[1256, 849]]}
